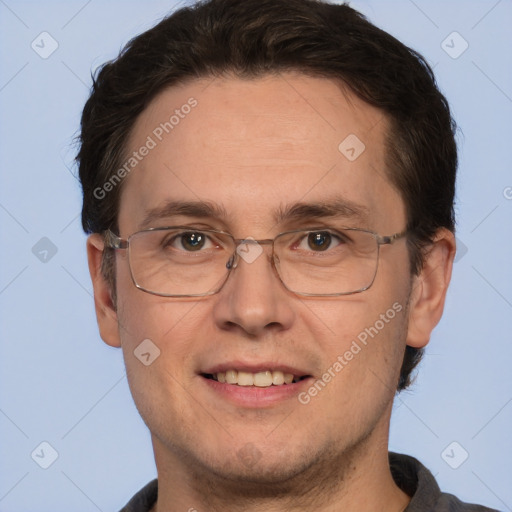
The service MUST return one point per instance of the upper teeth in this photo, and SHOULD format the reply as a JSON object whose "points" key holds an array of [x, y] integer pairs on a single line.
{"points": [[259, 379]]}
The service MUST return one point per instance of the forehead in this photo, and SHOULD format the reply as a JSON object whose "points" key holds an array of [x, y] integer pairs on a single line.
{"points": [[256, 146]]}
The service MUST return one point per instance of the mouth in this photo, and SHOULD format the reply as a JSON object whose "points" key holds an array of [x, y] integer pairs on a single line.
{"points": [[260, 379], [252, 385]]}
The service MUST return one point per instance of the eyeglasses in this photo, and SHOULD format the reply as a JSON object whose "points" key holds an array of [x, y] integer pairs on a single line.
{"points": [[181, 261]]}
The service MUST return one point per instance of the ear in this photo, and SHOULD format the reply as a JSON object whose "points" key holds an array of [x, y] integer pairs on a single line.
{"points": [[105, 310], [429, 289]]}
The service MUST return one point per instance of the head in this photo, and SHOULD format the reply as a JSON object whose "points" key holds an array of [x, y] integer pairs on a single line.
{"points": [[244, 105]]}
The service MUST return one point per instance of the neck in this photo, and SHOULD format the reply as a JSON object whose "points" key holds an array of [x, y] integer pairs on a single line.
{"points": [[359, 479]]}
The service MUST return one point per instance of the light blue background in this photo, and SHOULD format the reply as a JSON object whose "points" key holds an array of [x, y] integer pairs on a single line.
{"points": [[59, 383]]}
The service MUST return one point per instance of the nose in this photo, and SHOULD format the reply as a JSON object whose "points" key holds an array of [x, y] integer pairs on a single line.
{"points": [[253, 299]]}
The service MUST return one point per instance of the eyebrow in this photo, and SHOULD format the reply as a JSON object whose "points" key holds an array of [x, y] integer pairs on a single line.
{"points": [[301, 211], [334, 207], [200, 209]]}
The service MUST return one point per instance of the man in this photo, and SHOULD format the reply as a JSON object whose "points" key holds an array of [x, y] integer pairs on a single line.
{"points": [[269, 189]]}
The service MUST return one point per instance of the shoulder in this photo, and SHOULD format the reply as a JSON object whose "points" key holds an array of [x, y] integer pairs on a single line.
{"points": [[419, 483], [144, 500], [450, 503]]}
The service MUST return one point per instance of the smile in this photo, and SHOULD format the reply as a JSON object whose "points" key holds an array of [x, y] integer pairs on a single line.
{"points": [[261, 379]]}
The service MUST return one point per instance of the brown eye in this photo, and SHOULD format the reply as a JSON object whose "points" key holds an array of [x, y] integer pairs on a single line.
{"points": [[193, 241], [319, 241], [187, 241]]}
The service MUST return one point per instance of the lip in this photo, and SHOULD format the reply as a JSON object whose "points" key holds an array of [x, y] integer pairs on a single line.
{"points": [[254, 368], [254, 397]]}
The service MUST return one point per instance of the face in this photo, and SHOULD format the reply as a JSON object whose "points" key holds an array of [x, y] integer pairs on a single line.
{"points": [[253, 148]]}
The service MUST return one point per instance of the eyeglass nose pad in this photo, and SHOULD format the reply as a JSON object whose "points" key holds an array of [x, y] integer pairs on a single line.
{"points": [[232, 262]]}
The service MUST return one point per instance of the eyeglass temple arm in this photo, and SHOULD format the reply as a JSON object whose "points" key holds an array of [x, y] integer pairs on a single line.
{"points": [[113, 241], [385, 240]]}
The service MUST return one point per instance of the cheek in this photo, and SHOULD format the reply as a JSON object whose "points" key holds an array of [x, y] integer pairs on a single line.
{"points": [[170, 325], [163, 390], [142, 315], [362, 339], [362, 360], [158, 347]]}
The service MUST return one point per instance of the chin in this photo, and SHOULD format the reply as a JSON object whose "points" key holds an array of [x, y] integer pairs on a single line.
{"points": [[258, 468], [259, 480]]}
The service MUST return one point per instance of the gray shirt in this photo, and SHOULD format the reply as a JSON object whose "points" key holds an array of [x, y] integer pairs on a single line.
{"points": [[409, 474]]}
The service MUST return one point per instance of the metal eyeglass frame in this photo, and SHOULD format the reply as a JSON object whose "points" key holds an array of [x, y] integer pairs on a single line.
{"points": [[114, 241]]}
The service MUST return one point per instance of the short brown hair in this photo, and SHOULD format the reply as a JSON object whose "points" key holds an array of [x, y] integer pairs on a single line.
{"points": [[251, 38]]}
